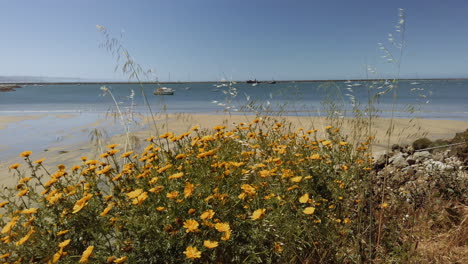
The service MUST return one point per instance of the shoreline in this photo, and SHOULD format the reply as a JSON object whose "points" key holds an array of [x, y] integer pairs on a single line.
{"points": [[69, 150], [237, 81]]}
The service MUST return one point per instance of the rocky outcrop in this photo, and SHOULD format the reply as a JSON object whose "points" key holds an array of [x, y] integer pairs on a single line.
{"points": [[8, 87], [417, 175]]}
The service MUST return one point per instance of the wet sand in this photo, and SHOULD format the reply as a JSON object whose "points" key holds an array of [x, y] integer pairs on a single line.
{"points": [[6, 120]]}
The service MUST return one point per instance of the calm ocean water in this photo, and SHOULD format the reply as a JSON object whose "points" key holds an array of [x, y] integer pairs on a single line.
{"points": [[83, 105], [441, 99]]}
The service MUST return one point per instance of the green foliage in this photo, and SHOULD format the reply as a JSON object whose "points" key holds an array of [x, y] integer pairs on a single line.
{"points": [[421, 143], [283, 196]]}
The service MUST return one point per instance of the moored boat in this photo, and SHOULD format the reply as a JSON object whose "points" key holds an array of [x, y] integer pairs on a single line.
{"points": [[252, 81], [164, 91]]}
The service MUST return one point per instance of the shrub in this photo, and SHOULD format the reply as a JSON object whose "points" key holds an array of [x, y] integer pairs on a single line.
{"points": [[258, 193], [421, 143]]}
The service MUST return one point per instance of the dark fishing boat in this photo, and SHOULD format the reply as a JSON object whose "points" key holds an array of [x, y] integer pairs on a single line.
{"points": [[252, 81]]}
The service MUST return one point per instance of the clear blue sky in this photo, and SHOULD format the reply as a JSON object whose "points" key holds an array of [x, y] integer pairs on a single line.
{"points": [[209, 39]]}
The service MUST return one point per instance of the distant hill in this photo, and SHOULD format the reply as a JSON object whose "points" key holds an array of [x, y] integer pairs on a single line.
{"points": [[23, 79]]}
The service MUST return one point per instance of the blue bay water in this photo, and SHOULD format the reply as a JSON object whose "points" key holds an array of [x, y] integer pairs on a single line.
{"points": [[441, 99], [432, 99]]}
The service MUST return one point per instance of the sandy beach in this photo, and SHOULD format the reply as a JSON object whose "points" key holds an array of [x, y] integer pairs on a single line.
{"points": [[405, 131]]}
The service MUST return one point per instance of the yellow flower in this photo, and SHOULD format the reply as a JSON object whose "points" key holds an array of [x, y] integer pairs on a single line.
{"points": [[206, 154], [328, 127], [257, 214], [64, 243], [63, 232], [265, 173], [304, 198], [126, 154], [25, 238], [210, 244], [121, 260], [208, 214], [7, 228], [172, 195], [167, 135], [139, 200], [188, 189], [2, 204], [384, 205], [278, 247], [112, 146], [23, 192], [54, 197], [39, 161], [221, 127], [25, 180], [81, 203], [134, 194], [192, 252], [248, 189], [326, 142], [156, 189], [342, 143], [91, 162], [315, 157], [6, 255], [309, 210], [112, 152], [347, 220], [106, 210], [176, 175], [153, 180], [160, 208], [191, 225], [51, 181], [86, 254], [29, 211], [226, 235], [163, 169], [15, 166], [296, 179], [25, 154], [105, 170], [222, 227]]}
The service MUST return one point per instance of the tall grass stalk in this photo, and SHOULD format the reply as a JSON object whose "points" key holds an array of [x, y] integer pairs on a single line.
{"points": [[124, 123], [129, 67]]}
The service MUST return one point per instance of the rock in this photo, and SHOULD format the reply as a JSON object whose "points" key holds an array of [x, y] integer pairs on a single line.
{"points": [[380, 161], [408, 149], [396, 148], [398, 160], [422, 155], [411, 160], [439, 156], [438, 165]]}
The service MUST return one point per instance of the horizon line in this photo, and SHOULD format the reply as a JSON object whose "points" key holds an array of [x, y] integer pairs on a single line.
{"points": [[226, 81]]}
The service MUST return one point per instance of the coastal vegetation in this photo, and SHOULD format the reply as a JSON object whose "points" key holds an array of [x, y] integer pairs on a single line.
{"points": [[260, 191]]}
